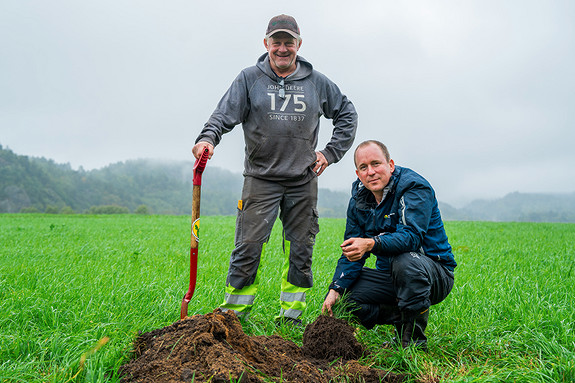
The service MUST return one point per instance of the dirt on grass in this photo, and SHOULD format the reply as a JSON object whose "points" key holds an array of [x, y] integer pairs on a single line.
{"points": [[214, 348]]}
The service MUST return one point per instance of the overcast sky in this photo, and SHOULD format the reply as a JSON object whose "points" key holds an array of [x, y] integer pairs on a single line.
{"points": [[477, 96]]}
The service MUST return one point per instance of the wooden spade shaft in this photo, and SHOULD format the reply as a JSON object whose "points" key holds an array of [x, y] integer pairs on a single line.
{"points": [[199, 167]]}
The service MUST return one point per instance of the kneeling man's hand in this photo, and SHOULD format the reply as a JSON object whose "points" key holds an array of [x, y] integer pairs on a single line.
{"points": [[330, 299], [355, 248]]}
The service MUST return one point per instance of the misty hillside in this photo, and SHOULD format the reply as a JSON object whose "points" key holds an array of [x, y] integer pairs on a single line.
{"points": [[521, 207], [29, 184]]}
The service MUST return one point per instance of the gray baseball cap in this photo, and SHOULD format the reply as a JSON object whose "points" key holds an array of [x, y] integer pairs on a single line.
{"points": [[283, 23]]}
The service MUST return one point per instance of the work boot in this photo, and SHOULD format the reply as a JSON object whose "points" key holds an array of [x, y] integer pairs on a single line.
{"points": [[411, 329]]}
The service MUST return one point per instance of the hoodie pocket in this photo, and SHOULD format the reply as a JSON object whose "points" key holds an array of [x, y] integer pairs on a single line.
{"points": [[281, 156]]}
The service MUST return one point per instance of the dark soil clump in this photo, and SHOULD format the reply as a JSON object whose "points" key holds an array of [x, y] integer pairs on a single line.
{"points": [[331, 338], [214, 348]]}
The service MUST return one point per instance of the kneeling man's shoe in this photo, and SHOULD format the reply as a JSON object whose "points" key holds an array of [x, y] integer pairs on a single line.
{"points": [[411, 329]]}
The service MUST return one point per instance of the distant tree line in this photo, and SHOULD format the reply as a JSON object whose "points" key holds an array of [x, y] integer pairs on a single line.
{"points": [[30, 184], [519, 207], [39, 185]]}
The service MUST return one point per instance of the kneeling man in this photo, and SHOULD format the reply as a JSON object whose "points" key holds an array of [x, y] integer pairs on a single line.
{"points": [[392, 214]]}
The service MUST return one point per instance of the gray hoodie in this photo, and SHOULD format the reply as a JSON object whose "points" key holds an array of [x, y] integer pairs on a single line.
{"points": [[281, 134]]}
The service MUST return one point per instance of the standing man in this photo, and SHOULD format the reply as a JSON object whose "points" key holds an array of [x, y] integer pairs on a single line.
{"points": [[392, 214], [279, 102]]}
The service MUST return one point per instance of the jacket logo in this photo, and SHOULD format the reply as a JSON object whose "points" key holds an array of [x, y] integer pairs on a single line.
{"points": [[299, 103]]}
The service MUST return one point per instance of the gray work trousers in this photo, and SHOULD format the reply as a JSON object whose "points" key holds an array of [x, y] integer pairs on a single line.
{"points": [[257, 213], [414, 283]]}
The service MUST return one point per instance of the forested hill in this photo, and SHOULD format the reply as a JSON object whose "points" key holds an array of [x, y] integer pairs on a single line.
{"points": [[29, 184]]}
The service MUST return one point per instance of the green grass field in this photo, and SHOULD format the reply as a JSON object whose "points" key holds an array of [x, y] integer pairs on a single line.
{"points": [[75, 290]]}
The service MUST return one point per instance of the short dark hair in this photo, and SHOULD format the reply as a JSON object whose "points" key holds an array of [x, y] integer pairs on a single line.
{"points": [[374, 142]]}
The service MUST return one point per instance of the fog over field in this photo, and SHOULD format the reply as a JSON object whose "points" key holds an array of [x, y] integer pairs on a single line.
{"points": [[477, 96]]}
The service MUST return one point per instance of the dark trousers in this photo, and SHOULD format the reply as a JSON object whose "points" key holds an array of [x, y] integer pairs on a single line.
{"points": [[261, 202], [414, 283]]}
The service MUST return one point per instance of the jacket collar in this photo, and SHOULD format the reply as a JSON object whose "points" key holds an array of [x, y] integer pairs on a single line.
{"points": [[365, 198]]}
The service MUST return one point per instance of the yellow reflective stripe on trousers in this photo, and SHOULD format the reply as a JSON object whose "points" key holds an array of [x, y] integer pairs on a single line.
{"points": [[240, 300], [292, 298], [236, 299]]}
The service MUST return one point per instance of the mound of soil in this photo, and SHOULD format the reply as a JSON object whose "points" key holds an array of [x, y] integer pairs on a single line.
{"points": [[330, 338], [214, 348]]}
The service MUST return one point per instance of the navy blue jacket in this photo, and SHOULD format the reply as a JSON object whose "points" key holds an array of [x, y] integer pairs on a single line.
{"points": [[407, 219]]}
